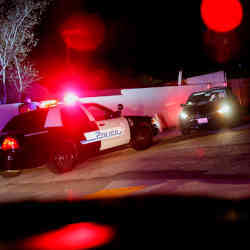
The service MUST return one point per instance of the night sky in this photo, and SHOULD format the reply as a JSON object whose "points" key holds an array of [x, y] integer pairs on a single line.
{"points": [[141, 37]]}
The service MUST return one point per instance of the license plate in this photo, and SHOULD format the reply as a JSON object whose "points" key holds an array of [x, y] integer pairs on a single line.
{"points": [[202, 120]]}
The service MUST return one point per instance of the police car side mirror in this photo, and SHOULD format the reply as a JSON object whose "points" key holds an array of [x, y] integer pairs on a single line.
{"points": [[120, 107]]}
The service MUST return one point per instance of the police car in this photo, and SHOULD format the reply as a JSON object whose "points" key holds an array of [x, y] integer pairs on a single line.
{"points": [[62, 134], [213, 108]]}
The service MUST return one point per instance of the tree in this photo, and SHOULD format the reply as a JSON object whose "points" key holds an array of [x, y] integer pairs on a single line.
{"points": [[18, 19], [23, 76]]}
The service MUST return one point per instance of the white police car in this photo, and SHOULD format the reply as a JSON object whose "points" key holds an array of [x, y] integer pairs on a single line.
{"points": [[64, 134]]}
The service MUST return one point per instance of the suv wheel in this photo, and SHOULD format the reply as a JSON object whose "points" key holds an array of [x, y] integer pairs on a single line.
{"points": [[185, 131], [143, 137], [64, 158]]}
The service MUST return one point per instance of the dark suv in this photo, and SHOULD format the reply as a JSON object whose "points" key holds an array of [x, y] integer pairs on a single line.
{"points": [[213, 108]]}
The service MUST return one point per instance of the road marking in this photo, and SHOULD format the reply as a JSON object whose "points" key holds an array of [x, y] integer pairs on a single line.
{"points": [[114, 192]]}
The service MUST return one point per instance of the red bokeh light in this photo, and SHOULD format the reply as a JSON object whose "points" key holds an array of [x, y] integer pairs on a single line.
{"points": [[221, 15], [74, 236], [83, 32]]}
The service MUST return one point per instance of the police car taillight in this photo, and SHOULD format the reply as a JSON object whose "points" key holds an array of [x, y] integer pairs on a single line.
{"points": [[48, 104], [10, 143]]}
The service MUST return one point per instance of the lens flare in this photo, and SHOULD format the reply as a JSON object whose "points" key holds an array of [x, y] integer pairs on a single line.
{"points": [[83, 32], [222, 15], [74, 236]]}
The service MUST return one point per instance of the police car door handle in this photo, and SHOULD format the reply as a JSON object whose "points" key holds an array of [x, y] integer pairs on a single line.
{"points": [[101, 124]]}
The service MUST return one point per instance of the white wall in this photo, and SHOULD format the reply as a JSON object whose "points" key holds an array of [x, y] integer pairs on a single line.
{"points": [[217, 77], [164, 101], [150, 101]]}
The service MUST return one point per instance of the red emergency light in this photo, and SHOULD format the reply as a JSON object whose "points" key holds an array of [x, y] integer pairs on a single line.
{"points": [[70, 99], [48, 104]]}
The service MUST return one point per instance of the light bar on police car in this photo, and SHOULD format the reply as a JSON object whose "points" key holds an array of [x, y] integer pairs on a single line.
{"points": [[48, 103]]}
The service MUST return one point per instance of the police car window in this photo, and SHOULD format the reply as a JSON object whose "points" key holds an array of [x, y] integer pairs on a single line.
{"points": [[29, 121], [74, 117], [100, 113]]}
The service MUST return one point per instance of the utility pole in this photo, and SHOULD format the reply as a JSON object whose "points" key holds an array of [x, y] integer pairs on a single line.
{"points": [[225, 79], [180, 77]]}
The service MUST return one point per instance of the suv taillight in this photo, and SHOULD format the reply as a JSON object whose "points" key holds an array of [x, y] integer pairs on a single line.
{"points": [[10, 143]]}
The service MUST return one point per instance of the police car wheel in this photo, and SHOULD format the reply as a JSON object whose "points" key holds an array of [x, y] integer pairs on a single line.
{"points": [[11, 173], [143, 137], [63, 159]]}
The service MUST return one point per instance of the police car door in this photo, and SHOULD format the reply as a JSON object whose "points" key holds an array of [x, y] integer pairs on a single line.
{"points": [[77, 125], [112, 131]]}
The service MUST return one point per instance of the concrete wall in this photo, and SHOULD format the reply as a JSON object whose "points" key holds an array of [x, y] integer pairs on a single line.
{"points": [[164, 101], [217, 77]]}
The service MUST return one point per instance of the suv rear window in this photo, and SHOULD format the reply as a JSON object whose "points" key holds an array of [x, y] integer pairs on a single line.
{"points": [[30, 121]]}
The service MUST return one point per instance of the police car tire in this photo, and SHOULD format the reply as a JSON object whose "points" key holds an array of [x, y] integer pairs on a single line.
{"points": [[64, 158], [143, 137], [11, 173]]}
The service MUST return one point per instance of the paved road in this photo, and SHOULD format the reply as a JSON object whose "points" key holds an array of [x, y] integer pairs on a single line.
{"points": [[215, 163]]}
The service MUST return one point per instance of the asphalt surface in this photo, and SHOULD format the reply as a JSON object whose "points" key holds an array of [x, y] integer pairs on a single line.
{"points": [[211, 163]]}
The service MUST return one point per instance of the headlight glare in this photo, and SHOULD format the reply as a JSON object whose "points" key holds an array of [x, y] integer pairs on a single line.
{"points": [[156, 123], [225, 109], [183, 115]]}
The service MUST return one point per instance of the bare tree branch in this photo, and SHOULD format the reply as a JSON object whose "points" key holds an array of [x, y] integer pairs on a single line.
{"points": [[18, 18]]}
